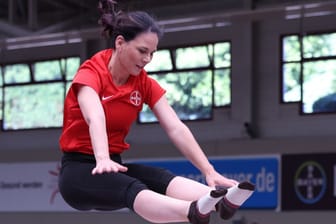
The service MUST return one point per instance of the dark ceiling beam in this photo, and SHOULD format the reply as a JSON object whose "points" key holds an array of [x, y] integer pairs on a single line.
{"points": [[11, 30], [30, 17], [56, 4], [83, 4], [11, 11], [21, 8], [75, 21], [32, 14]]}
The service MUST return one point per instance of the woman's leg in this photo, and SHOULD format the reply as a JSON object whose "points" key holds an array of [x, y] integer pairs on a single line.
{"points": [[84, 191], [186, 189], [185, 200], [178, 191], [158, 208], [164, 182]]}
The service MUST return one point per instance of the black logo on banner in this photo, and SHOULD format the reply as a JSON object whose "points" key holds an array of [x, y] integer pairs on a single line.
{"points": [[310, 182]]}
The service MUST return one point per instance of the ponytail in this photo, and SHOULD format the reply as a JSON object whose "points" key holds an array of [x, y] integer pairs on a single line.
{"points": [[128, 25]]}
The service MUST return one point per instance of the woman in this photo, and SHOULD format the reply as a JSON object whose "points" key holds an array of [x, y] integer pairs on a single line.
{"points": [[105, 98]]}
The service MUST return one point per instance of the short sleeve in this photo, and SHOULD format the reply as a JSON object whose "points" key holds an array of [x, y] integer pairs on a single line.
{"points": [[87, 75], [154, 92]]}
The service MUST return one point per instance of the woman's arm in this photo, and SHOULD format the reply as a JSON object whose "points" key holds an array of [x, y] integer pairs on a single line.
{"points": [[184, 140], [94, 116]]}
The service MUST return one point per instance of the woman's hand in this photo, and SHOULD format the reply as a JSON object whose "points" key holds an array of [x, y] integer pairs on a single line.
{"points": [[215, 179], [108, 166]]}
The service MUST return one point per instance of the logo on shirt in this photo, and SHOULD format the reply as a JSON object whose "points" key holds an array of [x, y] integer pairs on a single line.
{"points": [[106, 97], [135, 98]]}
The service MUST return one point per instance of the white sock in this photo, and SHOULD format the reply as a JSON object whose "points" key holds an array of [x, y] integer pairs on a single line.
{"points": [[238, 196], [207, 203]]}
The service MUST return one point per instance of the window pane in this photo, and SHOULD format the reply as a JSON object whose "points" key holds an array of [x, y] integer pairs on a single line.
{"points": [[146, 115], [291, 82], [161, 62], [315, 46], [192, 57], [47, 70], [222, 87], [1, 99], [319, 86], [189, 93], [33, 106], [72, 64], [17, 73], [67, 86], [222, 55], [291, 48]]}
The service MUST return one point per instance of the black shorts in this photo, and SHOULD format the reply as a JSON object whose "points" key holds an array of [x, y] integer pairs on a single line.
{"points": [[107, 191]]}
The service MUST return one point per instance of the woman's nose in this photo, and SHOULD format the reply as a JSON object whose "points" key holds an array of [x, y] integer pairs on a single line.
{"points": [[147, 58]]}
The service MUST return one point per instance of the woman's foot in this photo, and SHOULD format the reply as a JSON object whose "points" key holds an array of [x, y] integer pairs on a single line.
{"points": [[199, 211], [234, 198], [195, 217]]}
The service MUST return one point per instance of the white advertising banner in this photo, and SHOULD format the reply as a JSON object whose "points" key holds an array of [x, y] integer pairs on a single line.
{"points": [[30, 187]]}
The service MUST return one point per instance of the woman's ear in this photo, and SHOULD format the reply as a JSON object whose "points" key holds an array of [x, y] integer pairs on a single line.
{"points": [[119, 41]]}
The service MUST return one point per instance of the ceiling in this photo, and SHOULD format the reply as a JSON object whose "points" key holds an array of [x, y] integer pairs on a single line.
{"points": [[20, 18]]}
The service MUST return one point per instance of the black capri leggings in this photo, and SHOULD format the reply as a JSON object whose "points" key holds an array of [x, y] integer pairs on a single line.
{"points": [[107, 191]]}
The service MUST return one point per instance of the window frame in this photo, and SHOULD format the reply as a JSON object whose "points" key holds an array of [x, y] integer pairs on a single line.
{"points": [[62, 80], [211, 67], [301, 63]]}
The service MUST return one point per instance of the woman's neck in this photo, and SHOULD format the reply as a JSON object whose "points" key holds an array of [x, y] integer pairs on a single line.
{"points": [[119, 76]]}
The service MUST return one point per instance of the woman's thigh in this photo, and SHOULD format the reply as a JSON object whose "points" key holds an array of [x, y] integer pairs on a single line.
{"points": [[156, 179], [107, 191]]}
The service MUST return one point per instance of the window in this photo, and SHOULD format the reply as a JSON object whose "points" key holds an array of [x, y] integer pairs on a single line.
{"points": [[309, 72], [33, 106], [34, 93], [291, 69], [197, 79], [1, 91]]}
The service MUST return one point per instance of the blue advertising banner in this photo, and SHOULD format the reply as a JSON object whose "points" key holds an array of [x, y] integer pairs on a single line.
{"points": [[262, 171]]}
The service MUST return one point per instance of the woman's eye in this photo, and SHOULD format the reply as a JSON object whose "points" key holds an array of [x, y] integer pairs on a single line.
{"points": [[142, 51]]}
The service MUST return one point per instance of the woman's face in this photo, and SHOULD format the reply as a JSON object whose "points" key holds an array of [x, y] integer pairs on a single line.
{"points": [[134, 55]]}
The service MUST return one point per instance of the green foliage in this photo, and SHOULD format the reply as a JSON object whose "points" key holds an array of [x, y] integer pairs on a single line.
{"points": [[291, 48], [1, 97], [200, 82], [322, 45], [192, 57], [47, 70], [222, 86], [17, 73], [33, 106], [291, 78], [222, 55], [72, 65], [161, 61], [319, 70], [319, 78], [39, 102]]}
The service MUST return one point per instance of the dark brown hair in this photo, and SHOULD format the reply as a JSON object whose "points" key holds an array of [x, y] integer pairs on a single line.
{"points": [[128, 25]]}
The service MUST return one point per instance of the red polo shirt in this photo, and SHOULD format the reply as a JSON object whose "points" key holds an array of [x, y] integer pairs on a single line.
{"points": [[121, 105]]}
